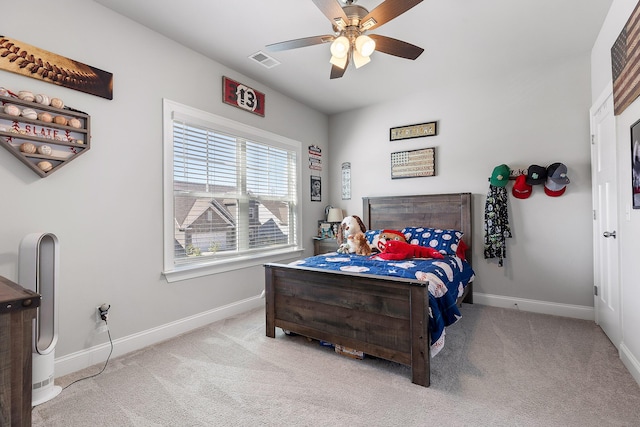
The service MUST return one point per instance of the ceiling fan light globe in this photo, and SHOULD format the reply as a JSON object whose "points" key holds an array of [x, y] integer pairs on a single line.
{"points": [[359, 60], [339, 62], [365, 45], [340, 47]]}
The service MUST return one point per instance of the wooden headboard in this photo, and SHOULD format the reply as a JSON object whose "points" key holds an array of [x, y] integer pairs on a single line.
{"points": [[452, 211]]}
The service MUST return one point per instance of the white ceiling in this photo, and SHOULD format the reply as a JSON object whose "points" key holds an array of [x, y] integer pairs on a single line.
{"points": [[460, 38]]}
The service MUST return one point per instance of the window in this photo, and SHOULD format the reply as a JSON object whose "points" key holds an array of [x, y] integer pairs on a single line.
{"points": [[231, 194]]}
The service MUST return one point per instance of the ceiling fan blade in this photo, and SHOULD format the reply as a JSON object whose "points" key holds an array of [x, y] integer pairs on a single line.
{"points": [[332, 10], [386, 11], [303, 42], [337, 72], [396, 47]]}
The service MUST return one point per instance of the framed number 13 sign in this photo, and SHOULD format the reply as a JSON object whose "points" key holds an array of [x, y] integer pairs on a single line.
{"points": [[242, 96]]}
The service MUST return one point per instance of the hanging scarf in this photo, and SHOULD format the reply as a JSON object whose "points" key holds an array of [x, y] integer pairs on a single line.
{"points": [[496, 224]]}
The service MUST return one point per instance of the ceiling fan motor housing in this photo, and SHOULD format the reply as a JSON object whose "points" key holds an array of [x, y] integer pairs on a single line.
{"points": [[355, 13]]}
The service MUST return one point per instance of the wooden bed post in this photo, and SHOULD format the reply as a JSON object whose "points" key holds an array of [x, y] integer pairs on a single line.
{"points": [[270, 302], [420, 339]]}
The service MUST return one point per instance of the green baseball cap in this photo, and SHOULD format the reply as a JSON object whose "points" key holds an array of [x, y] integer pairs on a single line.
{"points": [[500, 176]]}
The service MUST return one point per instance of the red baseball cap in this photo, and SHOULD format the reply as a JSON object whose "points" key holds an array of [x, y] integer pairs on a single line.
{"points": [[553, 189], [521, 190]]}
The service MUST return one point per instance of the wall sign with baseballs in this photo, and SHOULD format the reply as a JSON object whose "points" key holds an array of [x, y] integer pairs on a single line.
{"points": [[42, 132], [22, 58], [242, 96]]}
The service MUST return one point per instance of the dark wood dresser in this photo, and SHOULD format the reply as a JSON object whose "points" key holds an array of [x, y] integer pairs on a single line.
{"points": [[17, 310]]}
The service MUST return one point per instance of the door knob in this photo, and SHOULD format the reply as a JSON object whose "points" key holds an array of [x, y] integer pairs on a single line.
{"points": [[607, 234]]}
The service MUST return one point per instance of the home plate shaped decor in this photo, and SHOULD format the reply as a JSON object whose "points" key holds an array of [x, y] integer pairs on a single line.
{"points": [[42, 136]]}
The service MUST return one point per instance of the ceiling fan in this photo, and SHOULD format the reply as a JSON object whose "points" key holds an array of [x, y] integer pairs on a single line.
{"points": [[349, 41]]}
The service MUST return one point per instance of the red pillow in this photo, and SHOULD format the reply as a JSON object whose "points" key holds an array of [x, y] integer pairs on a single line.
{"points": [[462, 248]]}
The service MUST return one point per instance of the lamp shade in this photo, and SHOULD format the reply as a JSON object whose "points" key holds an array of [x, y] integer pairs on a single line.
{"points": [[365, 45], [335, 215], [340, 47], [359, 60]]}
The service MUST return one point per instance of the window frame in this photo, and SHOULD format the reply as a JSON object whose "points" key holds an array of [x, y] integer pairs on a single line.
{"points": [[173, 110]]}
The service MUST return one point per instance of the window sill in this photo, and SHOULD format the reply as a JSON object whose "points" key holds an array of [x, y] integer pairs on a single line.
{"points": [[199, 270]]}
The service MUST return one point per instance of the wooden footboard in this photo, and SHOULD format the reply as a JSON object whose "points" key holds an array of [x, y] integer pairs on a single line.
{"points": [[380, 317]]}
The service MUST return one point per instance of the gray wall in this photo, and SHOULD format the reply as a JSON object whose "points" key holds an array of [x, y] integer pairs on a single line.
{"points": [[106, 207], [536, 116]]}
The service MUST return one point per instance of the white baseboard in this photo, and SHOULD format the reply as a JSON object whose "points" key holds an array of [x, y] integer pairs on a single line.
{"points": [[98, 354], [543, 307], [632, 364]]}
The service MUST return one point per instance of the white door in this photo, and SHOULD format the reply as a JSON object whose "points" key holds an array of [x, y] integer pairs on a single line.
{"points": [[605, 215]]}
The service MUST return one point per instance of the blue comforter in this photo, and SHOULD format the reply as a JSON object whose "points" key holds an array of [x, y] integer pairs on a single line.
{"points": [[447, 279]]}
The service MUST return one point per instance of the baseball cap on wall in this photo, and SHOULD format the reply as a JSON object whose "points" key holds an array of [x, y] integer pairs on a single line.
{"points": [[553, 189], [500, 176], [557, 172], [521, 190], [536, 175]]}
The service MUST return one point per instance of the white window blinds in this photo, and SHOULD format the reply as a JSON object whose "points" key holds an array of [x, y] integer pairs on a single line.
{"points": [[232, 195]]}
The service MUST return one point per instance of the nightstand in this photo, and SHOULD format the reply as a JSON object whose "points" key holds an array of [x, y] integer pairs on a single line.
{"points": [[322, 246]]}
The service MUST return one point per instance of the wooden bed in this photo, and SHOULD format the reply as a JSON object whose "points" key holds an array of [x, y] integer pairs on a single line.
{"points": [[380, 316]]}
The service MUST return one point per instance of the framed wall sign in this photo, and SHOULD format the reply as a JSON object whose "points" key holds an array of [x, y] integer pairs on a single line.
{"points": [[315, 157], [346, 181], [414, 163], [413, 131], [625, 53], [242, 96]]}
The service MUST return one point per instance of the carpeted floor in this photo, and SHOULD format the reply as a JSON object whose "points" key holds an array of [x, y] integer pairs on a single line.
{"points": [[499, 367]]}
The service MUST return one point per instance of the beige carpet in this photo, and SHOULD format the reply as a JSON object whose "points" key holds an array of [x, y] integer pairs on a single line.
{"points": [[499, 368]]}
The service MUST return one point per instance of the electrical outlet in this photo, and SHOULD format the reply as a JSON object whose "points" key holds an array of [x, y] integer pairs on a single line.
{"points": [[102, 312]]}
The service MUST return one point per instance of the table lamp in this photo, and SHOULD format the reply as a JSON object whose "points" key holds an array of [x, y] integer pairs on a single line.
{"points": [[335, 218], [335, 215]]}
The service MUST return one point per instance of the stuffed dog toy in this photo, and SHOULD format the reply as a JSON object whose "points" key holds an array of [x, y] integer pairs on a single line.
{"points": [[361, 244], [349, 227]]}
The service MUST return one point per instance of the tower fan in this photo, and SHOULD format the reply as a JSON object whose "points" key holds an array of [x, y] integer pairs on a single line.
{"points": [[38, 271]]}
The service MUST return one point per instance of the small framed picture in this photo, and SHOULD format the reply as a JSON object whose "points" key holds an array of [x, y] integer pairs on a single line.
{"points": [[635, 164], [325, 230], [316, 189]]}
